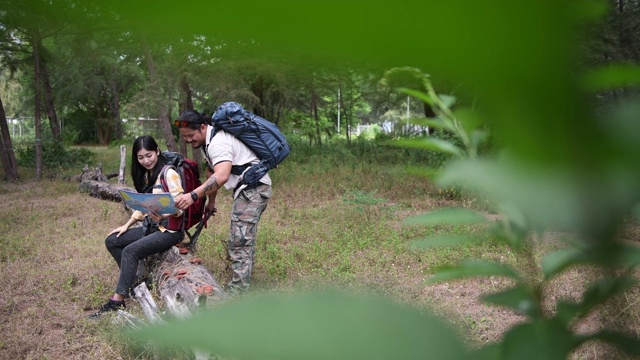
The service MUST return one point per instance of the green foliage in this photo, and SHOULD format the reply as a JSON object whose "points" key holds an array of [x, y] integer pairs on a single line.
{"points": [[559, 169], [81, 123], [318, 325], [54, 155], [361, 150]]}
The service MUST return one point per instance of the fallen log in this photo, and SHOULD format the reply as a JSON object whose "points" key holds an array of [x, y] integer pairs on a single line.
{"points": [[103, 190], [90, 174], [184, 283]]}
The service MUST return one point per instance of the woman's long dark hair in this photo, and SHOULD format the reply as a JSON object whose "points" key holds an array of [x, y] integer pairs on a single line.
{"points": [[138, 171]]}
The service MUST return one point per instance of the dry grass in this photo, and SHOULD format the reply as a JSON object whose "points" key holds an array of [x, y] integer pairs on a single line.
{"points": [[53, 266], [338, 229]]}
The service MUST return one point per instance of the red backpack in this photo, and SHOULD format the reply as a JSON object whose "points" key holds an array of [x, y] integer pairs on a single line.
{"points": [[190, 177]]}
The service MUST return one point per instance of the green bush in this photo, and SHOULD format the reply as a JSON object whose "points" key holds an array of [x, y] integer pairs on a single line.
{"points": [[54, 154]]}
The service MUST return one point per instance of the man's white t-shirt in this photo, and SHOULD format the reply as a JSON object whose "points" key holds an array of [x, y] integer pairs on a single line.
{"points": [[226, 147]]}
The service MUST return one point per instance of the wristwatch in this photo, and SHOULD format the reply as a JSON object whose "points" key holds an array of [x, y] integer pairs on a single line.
{"points": [[194, 196]]}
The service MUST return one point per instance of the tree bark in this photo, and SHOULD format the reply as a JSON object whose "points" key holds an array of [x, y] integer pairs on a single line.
{"points": [[8, 156], [314, 112], [184, 283], [164, 118], [54, 124], [123, 161], [103, 190], [35, 43], [113, 102], [165, 123], [185, 102]]}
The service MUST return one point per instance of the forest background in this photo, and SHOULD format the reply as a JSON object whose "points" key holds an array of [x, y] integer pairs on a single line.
{"points": [[530, 105]]}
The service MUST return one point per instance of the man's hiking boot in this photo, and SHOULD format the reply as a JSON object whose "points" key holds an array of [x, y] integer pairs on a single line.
{"points": [[112, 305]]}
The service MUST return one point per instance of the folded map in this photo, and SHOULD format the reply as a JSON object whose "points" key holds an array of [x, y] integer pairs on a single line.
{"points": [[160, 203]]}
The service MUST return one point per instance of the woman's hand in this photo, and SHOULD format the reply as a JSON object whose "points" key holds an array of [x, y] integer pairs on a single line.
{"points": [[120, 230], [159, 217]]}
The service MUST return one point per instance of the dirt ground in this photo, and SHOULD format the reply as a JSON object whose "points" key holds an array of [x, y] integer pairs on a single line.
{"points": [[52, 271]]}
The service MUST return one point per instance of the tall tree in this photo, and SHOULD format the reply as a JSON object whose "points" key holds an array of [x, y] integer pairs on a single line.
{"points": [[37, 99], [164, 99], [52, 115], [97, 73], [30, 23], [6, 153]]}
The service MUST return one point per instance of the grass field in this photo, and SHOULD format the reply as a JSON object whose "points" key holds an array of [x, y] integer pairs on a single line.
{"points": [[336, 218]]}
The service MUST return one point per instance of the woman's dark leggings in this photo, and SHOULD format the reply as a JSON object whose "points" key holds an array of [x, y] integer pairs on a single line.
{"points": [[132, 246]]}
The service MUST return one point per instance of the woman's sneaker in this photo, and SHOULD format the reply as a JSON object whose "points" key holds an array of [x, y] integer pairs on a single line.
{"points": [[112, 305]]}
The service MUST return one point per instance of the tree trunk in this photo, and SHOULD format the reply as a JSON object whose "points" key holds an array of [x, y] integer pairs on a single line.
{"points": [[35, 43], [165, 121], [186, 100], [184, 283], [123, 161], [104, 129], [314, 113], [347, 117], [54, 124], [185, 103], [114, 106], [8, 156]]}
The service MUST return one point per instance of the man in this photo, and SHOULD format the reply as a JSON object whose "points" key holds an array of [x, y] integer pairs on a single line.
{"points": [[222, 152]]}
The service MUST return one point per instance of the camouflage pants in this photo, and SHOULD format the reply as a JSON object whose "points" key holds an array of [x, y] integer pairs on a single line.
{"points": [[247, 209]]}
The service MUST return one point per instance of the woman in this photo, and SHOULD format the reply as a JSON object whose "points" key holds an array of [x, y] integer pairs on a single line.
{"points": [[128, 246]]}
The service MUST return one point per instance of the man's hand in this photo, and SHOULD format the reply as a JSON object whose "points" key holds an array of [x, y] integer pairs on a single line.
{"points": [[210, 208], [184, 201]]}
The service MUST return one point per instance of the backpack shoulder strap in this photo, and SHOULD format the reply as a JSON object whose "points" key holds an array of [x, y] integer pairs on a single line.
{"points": [[163, 176], [213, 133]]}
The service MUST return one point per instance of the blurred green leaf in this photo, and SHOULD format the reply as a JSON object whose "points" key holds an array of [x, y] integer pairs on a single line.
{"points": [[597, 293], [450, 216], [636, 212], [477, 138], [512, 227], [630, 345], [520, 298], [487, 352], [539, 339], [626, 256], [317, 325], [473, 268], [566, 312], [604, 289], [591, 10], [612, 77], [447, 100], [550, 198], [430, 144], [557, 261], [418, 94], [437, 123], [444, 240], [471, 120]]}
